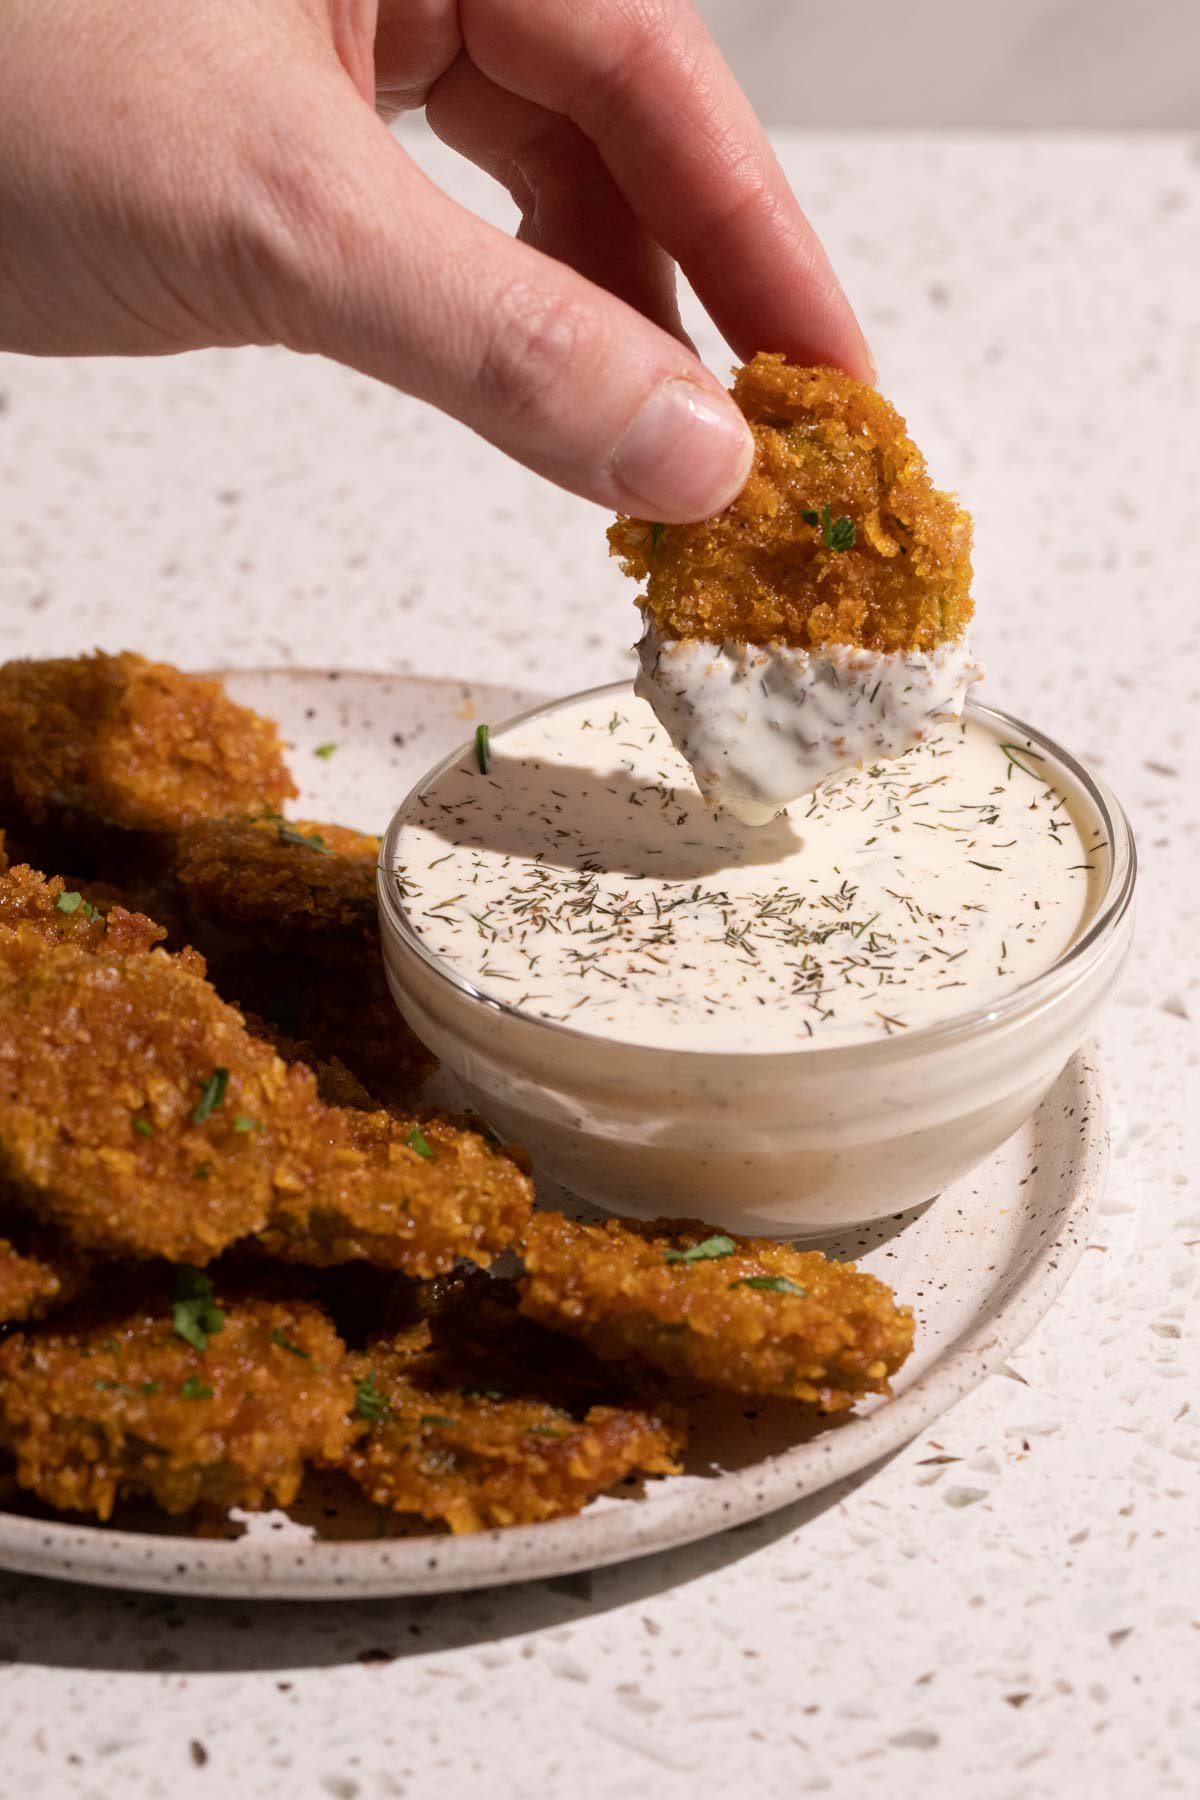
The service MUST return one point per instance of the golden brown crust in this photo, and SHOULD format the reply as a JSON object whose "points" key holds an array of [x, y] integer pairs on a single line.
{"points": [[38, 1272], [112, 1401], [760, 572], [131, 743], [286, 913], [297, 877], [106, 1133], [622, 1289], [491, 1421]]}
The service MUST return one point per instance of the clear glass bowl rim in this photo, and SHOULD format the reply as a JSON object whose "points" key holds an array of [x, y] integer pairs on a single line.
{"points": [[1114, 904]]}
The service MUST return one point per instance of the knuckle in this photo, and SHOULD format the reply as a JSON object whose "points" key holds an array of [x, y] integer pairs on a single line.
{"points": [[532, 343], [293, 227]]}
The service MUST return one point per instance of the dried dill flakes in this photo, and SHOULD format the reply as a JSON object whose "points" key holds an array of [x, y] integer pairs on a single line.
{"points": [[370, 1402], [707, 1251], [285, 1343], [212, 1093], [143, 1127], [1014, 761], [325, 751], [243, 1123], [436, 1421], [195, 1315], [195, 1389], [770, 1284]]}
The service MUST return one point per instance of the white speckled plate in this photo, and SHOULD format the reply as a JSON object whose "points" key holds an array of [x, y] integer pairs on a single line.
{"points": [[981, 1264]]}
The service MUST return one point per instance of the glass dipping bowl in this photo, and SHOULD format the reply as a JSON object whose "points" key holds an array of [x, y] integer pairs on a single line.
{"points": [[793, 1143]]}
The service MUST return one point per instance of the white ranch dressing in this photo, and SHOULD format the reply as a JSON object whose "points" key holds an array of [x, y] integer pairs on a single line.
{"points": [[582, 879], [761, 724]]}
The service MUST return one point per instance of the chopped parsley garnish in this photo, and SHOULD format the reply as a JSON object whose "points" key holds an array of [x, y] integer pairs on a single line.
{"points": [[770, 1284], [553, 1431], [108, 1386], [656, 532], [483, 748], [242, 1123], [289, 835], [369, 1401], [202, 1171], [195, 1389], [212, 1093], [836, 534], [72, 902], [143, 1127], [707, 1251], [436, 1419], [195, 1315], [325, 751], [285, 1343], [148, 1387], [485, 1393], [416, 1140]]}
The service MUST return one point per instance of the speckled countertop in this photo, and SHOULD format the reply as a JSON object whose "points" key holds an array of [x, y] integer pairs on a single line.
{"points": [[1033, 305]]}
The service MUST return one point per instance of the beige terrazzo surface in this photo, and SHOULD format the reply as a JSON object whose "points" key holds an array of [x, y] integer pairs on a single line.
{"points": [[1010, 1607]]}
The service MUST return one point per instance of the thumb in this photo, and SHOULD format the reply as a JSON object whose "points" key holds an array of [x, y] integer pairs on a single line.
{"points": [[392, 277]]}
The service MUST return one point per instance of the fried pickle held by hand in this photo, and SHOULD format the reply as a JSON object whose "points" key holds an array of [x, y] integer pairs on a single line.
{"points": [[120, 741], [765, 571], [110, 1400], [749, 1315], [479, 1418], [819, 621], [140, 1117]]}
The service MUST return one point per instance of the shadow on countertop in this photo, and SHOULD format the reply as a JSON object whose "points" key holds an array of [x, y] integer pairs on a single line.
{"points": [[64, 1625]]}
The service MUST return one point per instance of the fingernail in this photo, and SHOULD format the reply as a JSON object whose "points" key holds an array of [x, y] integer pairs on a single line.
{"points": [[684, 455]]}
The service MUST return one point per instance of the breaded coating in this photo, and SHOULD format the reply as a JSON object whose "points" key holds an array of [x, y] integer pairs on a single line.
{"points": [[838, 536], [131, 743], [745, 1314], [285, 911], [61, 914], [110, 1400], [480, 1418], [297, 877], [140, 1117], [38, 1272]]}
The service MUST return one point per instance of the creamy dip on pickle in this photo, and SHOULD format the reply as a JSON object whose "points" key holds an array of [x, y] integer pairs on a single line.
{"points": [[582, 879]]}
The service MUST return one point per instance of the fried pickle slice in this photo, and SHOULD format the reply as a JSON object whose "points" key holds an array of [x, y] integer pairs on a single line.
{"points": [[110, 1400], [140, 1117], [297, 879], [480, 1418], [131, 743], [86, 917], [749, 1315], [838, 537], [286, 914], [38, 1272]]}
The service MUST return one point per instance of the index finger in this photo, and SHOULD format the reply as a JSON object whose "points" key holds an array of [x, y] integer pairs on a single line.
{"points": [[646, 83]]}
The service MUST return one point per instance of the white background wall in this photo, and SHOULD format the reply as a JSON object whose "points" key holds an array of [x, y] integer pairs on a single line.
{"points": [[965, 62]]}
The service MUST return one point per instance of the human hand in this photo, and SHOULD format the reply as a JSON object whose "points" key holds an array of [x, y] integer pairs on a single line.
{"points": [[177, 178]]}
